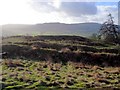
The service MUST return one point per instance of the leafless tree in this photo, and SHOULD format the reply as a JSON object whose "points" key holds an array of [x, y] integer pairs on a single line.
{"points": [[108, 29]]}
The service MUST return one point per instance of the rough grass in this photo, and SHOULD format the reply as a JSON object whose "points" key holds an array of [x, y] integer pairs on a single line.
{"points": [[45, 74]]}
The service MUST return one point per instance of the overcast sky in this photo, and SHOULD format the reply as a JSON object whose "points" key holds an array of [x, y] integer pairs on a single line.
{"points": [[37, 11]]}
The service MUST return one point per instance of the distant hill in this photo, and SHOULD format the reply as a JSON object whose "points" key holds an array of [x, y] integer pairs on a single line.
{"points": [[81, 29]]}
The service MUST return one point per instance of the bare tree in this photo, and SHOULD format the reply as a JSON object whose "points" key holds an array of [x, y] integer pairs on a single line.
{"points": [[108, 29]]}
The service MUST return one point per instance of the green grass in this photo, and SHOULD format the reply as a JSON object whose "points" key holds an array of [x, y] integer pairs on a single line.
{"points": [[68, 76]]}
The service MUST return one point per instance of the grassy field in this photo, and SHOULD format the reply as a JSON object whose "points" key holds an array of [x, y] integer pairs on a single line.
{"points": [[55, 62]]}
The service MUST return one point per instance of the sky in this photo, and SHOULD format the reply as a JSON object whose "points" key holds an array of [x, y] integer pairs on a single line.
{"points": [[47, 11]]}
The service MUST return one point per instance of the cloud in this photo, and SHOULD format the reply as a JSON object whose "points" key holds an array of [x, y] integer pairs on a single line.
{"points": [[99, 17], [77, 9], [103, 11], [37, 11], [76, 12], [43, 6]]}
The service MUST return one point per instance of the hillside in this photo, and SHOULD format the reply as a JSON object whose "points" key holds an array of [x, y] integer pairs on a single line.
{"points": [[59, 62], [82, 29]]}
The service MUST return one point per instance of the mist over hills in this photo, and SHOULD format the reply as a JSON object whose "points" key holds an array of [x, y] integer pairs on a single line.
{"points": [[80, 29]]}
